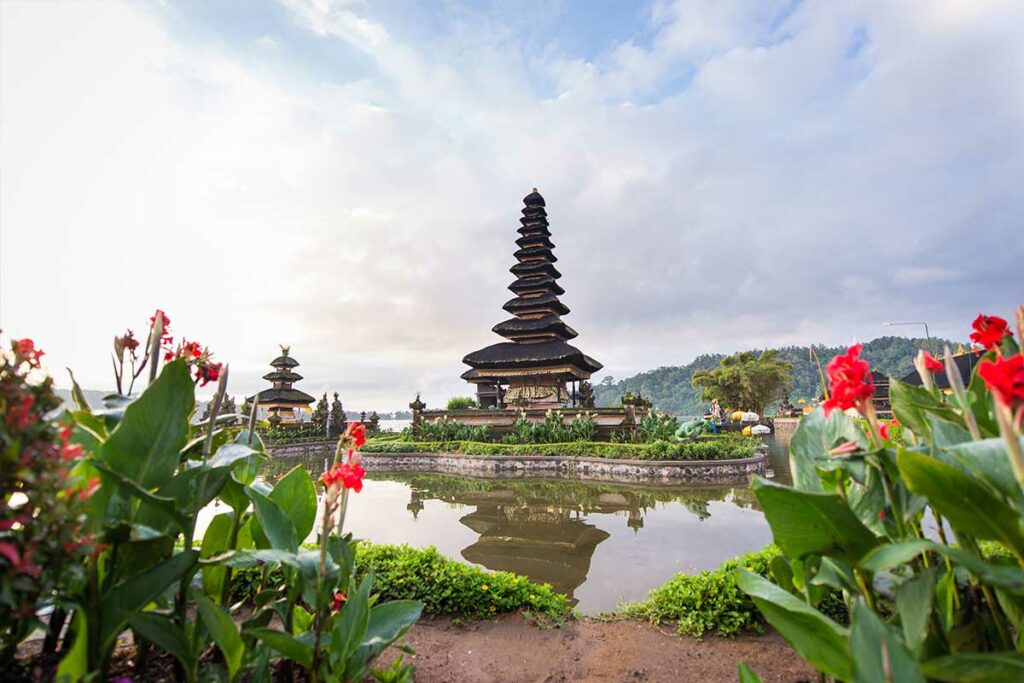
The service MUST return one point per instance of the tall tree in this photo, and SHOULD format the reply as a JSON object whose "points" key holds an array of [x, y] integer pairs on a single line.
{"points": [[745, 381], [319, 417], [337, 422]]}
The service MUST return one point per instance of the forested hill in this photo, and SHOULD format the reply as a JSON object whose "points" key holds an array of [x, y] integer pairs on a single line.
{"points": [[669, 387]]}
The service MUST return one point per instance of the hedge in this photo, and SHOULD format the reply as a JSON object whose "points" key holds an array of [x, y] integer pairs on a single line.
{"points": [[701, 449]]}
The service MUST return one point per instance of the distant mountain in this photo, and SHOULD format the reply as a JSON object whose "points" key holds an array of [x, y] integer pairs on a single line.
{"points": [[92, 396], [670, 390]]}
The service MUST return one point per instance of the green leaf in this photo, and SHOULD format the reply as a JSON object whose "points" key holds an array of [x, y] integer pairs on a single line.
{"points": [[994, 667], [137, 592], [893, 554], [987, 460], [913, 405], [74, 665], [914, 600], [215, 542], [878, 653], [970, 506], [165, 634], [145, 446], [158, 511], [230, 453], [285, 644], [295, 493], [389, 622], [350, 627], [748, 675], [814, 438], [233, 493], [222, 630], [804, 522], [817, 638], [91, 424], [273, 522], [1006, 577]]}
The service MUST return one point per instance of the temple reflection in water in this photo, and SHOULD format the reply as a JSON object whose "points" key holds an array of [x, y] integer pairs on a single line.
{"points": [[540, 528]]}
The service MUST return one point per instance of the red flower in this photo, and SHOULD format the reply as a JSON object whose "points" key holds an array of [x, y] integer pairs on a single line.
{"points": [[71, 451], [931, 364], [19, 415], [208, 373], [989, 330], [885, 427], [167, 321], [1004, 377], [339, 600], [357, 432], [26, 349], [348, 475], [850, 382]]}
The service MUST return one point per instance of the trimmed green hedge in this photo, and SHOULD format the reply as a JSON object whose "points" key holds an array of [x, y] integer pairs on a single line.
{"points": [[446, 587], [710, 601], [701, 449]]}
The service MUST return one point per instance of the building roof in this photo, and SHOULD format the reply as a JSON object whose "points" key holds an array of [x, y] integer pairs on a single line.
{"points": [[522, 304], [536, 284], [534, 241], [539, 230], [284, 361], [533, 199], [534, 252], [545, 354], [549, 324], [534, 268], [284, 396], [282, 376]]}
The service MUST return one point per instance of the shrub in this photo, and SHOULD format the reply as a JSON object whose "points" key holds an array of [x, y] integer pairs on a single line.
{"points": [[461, 403]]}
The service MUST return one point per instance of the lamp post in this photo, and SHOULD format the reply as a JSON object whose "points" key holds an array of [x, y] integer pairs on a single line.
{"points": [[927, 336]]}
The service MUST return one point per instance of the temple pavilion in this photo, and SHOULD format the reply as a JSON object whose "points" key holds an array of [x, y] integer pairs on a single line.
{"points": [[281, 402], [532, 368]]}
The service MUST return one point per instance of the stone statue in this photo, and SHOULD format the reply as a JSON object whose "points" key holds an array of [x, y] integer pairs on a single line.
{"points": [[690, 430]]}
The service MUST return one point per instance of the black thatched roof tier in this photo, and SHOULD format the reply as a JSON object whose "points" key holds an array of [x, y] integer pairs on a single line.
{"points": [[534, 268], [284, 361], [533, 199], [510, 355], [534, 230], [544, 302], [549, 325], [534, 241], [284, 396], [534, 253], [542, 284], [534, 220], [282, 376]]}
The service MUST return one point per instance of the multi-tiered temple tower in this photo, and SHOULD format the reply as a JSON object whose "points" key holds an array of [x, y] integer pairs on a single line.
{"points": [[280, 402], [536, 362]]}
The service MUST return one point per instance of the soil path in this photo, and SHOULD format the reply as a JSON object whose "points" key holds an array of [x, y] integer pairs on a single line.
{"points": [[513, 650]]}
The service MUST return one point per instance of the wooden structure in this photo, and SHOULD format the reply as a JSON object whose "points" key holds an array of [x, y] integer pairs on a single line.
{"points": [[531, 369], [281, 402]]}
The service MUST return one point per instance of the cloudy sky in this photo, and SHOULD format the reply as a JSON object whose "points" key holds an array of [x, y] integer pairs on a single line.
{"points": [[346, 177]]}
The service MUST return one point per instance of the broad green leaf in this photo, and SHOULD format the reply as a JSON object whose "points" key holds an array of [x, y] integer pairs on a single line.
{"points": [[215, 542], [145, 446], [273, 522], [987, 460], [165, 634], [296, 494], [976, 667], [970, 506], [139, 591], [92, 424], [233, 493], [242, 559], [223, 631], [945, 434], [913, 405], [980, 399], [914, 600], [229, 454], [74, 665], [781, 572], [817, 638], [158, 511], [350, 626], [878, 653], [1006, 577], [805, 522], [388, 622], [748, 675], [814, 438], [893, 554], [285, 644]]}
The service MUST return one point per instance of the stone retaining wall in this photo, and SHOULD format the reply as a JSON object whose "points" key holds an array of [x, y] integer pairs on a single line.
{"points": [[784, 428], [604, 469]]}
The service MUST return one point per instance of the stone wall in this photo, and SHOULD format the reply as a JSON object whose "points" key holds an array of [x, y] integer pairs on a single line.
{"points": [[784, 428], [301, 450]]}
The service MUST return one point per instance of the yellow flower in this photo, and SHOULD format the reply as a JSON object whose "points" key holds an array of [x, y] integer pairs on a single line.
{"points": [[484, 587], [493, 609], [532, 596]]}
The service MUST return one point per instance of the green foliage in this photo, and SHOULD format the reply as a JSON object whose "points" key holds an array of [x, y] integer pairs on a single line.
{"points": [[670, 387], [657, 426], [745, 381], [444, 429], [919, 608], [461, 403], [723, 448]]}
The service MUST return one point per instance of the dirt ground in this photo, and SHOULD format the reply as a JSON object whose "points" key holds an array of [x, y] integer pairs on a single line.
{"points": [[513, 650]]}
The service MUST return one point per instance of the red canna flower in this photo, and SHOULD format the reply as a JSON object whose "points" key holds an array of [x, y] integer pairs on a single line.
{"points": [[347, 475], [989, 330], [167, 321], [71, 451], [208, 373], [931, 363], [20, 415], [1004, 377], [850, 382], [885, 428], [357, 432], [27, 351], [339, 599]]}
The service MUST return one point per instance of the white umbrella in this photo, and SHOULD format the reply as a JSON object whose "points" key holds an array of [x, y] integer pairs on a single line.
{"points": [[751, 417], [760, 429]]}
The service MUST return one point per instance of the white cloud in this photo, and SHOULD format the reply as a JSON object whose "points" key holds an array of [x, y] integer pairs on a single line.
{"points": [[792, 193]]}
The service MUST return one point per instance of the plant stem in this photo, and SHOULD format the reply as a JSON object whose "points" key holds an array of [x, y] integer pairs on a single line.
{"points": [[864, 589], [225, 592], [222, 387]]}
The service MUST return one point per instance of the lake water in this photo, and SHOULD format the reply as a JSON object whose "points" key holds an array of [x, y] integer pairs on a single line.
{"points": [[600, 543]]}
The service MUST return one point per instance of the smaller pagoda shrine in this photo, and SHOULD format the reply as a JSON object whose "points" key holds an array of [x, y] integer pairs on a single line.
{"points": [[281, 403]]}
